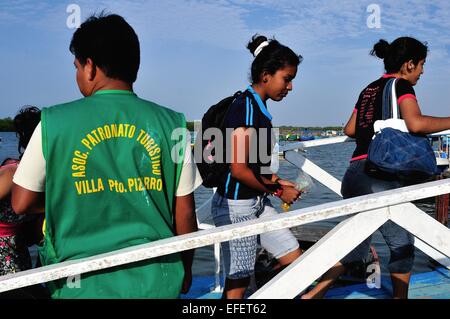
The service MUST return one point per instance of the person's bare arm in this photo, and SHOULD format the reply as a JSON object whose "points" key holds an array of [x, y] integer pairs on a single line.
{"points": [[350, 127], [186, 222], [25, 201], [6, 176], [241, 140], [421, 124]]}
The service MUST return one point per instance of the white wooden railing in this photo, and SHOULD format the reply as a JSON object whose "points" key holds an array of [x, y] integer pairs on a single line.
{"points": [[430, 236], [366, 214]]}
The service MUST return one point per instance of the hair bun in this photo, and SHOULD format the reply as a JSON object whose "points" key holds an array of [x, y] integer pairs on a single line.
{"points": [[381, 49], [255, 42]]}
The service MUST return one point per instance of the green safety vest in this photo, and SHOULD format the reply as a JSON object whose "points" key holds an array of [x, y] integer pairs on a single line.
{"points": [[111, 184]]}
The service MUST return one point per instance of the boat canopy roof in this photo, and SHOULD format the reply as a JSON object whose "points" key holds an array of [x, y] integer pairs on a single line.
{"points": [[443, 133]]}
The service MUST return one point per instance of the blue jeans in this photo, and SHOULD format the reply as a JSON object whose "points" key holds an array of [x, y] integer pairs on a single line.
{"points": [[400, 242], [239, 255]]}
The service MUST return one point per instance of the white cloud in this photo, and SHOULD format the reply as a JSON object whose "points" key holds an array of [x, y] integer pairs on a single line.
{"points": [[212, 22], [229, 23], [331, 35]]}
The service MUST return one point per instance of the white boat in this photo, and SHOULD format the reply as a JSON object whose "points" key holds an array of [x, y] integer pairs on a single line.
{"points": [[440, 142]]}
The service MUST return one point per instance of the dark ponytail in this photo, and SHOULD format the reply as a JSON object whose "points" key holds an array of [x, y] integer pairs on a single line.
{"points": [[271, 58], [381, 49], [398, 52]]}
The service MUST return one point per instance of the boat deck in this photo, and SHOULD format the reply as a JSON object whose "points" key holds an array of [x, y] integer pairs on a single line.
{"points": [[428, 285]]}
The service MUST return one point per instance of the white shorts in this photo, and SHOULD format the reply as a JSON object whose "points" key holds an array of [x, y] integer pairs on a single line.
{"points": [[239, 255]]}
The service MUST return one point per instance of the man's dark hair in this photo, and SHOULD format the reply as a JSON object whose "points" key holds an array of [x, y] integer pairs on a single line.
{"points": [[111, 43]]}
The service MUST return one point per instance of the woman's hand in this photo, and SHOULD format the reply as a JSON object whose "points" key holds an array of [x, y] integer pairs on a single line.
{"points": [[289, 195], [284, 182]]}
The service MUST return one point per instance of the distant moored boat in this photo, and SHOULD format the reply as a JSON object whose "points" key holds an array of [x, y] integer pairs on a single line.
{"points": [[306, 138], [440, 143]]}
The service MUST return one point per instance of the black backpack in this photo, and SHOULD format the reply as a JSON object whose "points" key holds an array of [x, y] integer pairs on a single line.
{"points": [[211, 167]]}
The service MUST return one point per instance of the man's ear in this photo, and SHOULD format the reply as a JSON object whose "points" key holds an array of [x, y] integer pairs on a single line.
{"points": [[90, 69]]}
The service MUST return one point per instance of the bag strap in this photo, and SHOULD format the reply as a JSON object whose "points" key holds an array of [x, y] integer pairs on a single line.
{"points": [[222, 123], [394, 106], [389, 102], [386, 105]]}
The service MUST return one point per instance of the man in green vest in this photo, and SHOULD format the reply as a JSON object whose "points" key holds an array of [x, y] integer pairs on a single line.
{"points": [[104, 171]]}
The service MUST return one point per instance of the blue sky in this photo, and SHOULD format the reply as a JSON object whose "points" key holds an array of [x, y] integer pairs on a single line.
{"points": [[193, 52]]}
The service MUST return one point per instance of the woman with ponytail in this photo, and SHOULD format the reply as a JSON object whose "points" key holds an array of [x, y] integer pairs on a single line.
{"points": [[243, 193], [404, 59]]}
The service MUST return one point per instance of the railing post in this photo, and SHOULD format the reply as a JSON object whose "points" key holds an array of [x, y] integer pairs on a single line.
{"points": [[331, 248], [423, 226], [217, 262], [442, 202]]}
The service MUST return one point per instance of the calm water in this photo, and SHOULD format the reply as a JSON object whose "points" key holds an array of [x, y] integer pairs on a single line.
{"points": [[8, 145], [333, 158]]}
